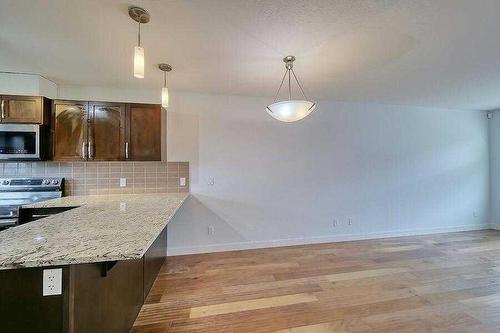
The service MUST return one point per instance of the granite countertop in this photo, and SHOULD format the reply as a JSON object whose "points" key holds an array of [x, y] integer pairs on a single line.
{"points": [[101, 228]]}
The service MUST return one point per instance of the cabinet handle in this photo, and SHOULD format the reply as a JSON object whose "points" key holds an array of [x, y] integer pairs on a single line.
{"points": [[126, 150], [83, 150], [89, 149], [2, 107]]}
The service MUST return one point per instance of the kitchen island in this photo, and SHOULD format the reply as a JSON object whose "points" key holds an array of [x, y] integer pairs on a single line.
{"points": [[109, 249]]}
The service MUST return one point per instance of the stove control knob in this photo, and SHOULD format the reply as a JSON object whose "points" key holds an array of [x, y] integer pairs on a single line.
{"points": [[55, 181], [5, 182], [46, 182]]}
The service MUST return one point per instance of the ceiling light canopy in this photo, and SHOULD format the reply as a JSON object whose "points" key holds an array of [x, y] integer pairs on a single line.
{"points": [[164, 91], [139, 15], [290, 110]]}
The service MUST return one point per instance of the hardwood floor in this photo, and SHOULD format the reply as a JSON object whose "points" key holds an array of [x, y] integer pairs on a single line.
{"points": [[438, 283]]}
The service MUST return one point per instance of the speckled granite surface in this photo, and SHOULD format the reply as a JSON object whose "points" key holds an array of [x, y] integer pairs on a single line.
{"points": [[102, 228]]}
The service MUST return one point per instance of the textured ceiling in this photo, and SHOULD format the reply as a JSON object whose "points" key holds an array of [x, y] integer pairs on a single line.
{"points": [[442, 53]]}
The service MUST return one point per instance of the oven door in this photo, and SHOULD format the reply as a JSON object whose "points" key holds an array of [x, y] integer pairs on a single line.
{"points": [[10, 202], [20, 142]]}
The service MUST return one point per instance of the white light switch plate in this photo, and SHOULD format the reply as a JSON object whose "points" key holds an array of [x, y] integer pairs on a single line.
{"points": [[123, 182], [52, 282], [182, 181]]}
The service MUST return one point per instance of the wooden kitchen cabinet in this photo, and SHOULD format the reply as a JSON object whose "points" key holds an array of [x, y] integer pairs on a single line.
{"points": [[143, 132], [70, 130], [106, 131], [24, 109]]}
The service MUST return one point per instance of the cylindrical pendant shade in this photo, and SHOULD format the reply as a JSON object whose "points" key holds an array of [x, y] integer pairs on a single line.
{"points": [[139, 62], [164, 97], [290, 111]]}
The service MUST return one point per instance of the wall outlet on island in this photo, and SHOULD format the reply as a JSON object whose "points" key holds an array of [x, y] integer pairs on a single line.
{"points": [[52, 282], [123, 182], [182, 181]]}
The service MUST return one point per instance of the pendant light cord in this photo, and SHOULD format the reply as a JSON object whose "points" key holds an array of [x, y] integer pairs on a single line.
{"points": [[164, 79], [289, 86], [281, 85], [298, 83], [287, 71], [139, 33]]}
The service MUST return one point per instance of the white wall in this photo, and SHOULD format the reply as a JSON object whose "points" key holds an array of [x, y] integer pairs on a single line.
{"points": [[494, 131], [102, 94], [26, 84], [393, 169]]}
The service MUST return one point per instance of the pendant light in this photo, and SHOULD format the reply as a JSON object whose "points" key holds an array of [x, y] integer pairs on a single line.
{"points": [[164, 91], [290, 110], [141, 16]]}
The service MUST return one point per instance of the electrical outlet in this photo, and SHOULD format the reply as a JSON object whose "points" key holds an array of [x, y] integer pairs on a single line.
{"points": [[123, 182], [182, 181], [52, 282], [211, 182], [211, 230], [123, 206], [349, 221]]}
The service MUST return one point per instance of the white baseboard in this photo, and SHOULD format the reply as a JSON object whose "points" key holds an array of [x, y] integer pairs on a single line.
{"points": [[174, 251]]}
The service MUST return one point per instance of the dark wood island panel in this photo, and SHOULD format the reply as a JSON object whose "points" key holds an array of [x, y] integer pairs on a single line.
{"points": [[97, 297], [22, 306]]}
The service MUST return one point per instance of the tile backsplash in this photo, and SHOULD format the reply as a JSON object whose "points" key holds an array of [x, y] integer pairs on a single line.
{"points": [[83, 178]]}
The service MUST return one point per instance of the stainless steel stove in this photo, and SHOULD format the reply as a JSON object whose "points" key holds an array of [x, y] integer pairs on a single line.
{"points": [[15, 192]]}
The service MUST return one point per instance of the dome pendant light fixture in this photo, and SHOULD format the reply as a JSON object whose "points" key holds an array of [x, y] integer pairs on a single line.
{"points": [[164, 91], [290, 110], [141, 16]]}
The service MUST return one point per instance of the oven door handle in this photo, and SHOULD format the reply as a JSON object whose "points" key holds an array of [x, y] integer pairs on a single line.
{"points": [[8, 222]]}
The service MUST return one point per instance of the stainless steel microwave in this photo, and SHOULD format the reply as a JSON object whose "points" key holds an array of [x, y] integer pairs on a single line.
{"points": [[22, 142]]}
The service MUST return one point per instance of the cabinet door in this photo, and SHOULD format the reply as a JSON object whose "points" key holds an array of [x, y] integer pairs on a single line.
{"points": [[70, 130], [21, 109], [106, 131], [144, 132]]}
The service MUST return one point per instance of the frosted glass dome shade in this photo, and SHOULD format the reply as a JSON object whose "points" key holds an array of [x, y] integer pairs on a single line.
{"points": [[290, 111]]}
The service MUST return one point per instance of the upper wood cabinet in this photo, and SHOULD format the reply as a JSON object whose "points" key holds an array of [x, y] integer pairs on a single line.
{"points": [[24, 109], [105, 131], [70, 130], [143, 132]]}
